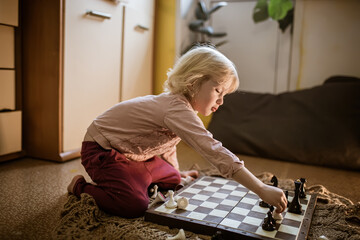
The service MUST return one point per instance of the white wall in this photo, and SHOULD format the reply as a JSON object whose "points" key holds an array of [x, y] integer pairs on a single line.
{"points": [[326, 41], [260, 51], [185, 13]]}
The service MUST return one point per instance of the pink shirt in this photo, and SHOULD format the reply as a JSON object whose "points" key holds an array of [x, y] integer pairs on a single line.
{"points": [[143, 127]]}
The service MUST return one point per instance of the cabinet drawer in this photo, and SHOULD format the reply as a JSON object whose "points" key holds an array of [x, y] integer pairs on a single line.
{"points": [[9, 12], [10, 132], [7, 47], [7, 89]]}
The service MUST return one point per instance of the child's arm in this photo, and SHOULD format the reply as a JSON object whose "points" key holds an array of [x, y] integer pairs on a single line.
{"points": [[272, 195]]}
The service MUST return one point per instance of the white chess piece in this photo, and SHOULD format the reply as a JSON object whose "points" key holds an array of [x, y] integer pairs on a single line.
{"points": [[159, 198], [322, 237], [186, 181], [277, 216], [171, 203], [182, 203], [155, 192], [179, 236]]}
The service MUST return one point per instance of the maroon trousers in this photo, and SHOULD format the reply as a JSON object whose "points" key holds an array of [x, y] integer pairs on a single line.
{"points": [[122, 184]]}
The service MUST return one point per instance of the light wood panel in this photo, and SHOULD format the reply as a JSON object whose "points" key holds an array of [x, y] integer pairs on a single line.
{"points": [[9, 12], [7, 47], [42, 77], [92, 55], [7, 89], [71, 71], [138, 52], [10, 132]]}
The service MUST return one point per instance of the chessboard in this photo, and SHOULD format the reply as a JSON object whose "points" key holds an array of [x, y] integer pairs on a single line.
{"points": [[218, 205]]}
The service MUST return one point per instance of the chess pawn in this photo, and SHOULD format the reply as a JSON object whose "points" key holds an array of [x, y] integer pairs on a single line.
{"points": [[180, 236], [171, 203], [182, 203], [277, 216], [155, 189]]}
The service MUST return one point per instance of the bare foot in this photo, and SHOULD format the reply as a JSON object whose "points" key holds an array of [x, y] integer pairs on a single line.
{"points": [[70, 188]]}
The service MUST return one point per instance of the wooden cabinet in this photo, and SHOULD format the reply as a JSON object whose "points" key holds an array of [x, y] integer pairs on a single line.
{"points": [[92, 54], [10, 94], [73, 70], [137, 71]]}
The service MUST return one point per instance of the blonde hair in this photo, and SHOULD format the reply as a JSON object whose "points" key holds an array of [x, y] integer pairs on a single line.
{"points": [[198, 65]]}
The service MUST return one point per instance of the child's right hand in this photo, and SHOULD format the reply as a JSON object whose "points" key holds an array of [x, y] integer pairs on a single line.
{"points": [[273, 196], [269, 194]]}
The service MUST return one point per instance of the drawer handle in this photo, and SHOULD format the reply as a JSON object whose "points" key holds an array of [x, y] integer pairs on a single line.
{"points": [[98, 14], [141, 27]]}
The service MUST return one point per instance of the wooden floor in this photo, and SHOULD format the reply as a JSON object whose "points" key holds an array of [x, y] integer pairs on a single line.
{"points": [[33, 191]]}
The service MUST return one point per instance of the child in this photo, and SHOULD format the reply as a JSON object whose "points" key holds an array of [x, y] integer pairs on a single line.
{"points": [[133, 144]]}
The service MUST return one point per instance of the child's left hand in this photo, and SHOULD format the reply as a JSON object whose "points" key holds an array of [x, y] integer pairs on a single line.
{"points": [[192, 173]]}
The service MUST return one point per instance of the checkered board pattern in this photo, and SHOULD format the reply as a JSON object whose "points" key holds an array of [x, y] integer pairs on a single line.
{"points": [[218, 204]]}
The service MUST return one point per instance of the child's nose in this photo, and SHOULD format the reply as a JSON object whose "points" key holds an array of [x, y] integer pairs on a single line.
{"points": [[220, 101]]}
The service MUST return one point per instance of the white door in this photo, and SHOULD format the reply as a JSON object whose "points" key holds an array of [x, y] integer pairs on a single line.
{"points": [[137, 69], [92, 60]]}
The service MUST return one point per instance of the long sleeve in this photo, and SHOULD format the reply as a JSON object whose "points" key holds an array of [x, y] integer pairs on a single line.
{"points": [[185, 123]]}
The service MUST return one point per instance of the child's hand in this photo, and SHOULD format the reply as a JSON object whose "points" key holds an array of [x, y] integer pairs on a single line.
{"points": [[274, 196], [192, 173]]}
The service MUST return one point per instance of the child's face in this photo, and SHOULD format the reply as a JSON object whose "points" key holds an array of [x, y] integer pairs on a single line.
{"points": [[210, 97]]}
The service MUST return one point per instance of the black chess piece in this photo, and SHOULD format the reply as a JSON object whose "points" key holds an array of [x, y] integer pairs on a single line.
{"points": [[302, 190], [287, 197], [272, 219], [295, 206], [274, 180], [269, 223], [264, 204]]}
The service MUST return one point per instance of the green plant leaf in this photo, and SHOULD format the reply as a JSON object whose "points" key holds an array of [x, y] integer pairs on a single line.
{"points": [[287, 21], [260, 11], [279, 8]]}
